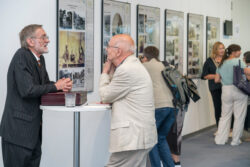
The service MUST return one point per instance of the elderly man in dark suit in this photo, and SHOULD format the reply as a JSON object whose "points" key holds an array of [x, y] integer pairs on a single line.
{"points": [[27, 81]]}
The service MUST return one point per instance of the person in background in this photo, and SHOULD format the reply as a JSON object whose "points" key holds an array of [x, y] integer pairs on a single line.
{"points": [[27, 81], [164, 109], [174, 137], [127, 85], [209, 72], [233, 100], [247, 61], [246, 134]]}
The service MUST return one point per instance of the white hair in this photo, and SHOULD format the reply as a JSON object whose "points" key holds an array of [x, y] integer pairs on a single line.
{"points": [[132, 49], [128, 47]]}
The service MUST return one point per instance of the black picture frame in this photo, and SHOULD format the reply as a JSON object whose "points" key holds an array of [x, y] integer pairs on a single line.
{"points": [[57, 38], [128, 15], [77, 26], [138, 28], [192, 73], [175, 36], [207, 37]]}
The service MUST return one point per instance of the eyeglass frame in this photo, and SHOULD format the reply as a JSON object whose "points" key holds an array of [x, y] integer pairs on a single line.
{"points": [[42, 37], [112, 47]]}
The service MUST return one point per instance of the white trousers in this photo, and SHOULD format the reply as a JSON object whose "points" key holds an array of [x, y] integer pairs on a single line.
{"points": [[233, 102]]}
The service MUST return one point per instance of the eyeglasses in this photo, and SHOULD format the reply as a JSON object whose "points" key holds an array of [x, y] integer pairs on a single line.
{"points": [[112, 47], [42, 37]]}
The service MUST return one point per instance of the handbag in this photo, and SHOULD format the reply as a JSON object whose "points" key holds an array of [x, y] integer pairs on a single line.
{"points": [[240, 80], [192, 89]]}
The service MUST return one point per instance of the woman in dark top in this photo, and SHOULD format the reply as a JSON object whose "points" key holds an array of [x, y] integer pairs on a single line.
{"points": [[209, 71]]}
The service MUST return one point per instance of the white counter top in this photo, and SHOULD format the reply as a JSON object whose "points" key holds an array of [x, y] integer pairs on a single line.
{"points": [[82, 108]]}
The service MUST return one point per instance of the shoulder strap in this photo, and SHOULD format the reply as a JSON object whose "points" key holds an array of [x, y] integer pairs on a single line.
{"points": [[165, 63]]}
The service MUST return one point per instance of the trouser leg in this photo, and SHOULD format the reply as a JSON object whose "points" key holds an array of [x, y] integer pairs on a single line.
{"points": [[240, 108], [14, 155], [216, 96], [226, 115]]}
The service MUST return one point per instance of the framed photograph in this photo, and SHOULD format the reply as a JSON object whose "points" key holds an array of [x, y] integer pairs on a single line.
{"points": [[194, 45], [116, 19], [212, 33], [148, 28], [174, 34], [75, 40]]}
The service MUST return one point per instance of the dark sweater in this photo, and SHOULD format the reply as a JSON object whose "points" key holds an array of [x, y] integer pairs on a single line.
{"points": [[210, 68]]}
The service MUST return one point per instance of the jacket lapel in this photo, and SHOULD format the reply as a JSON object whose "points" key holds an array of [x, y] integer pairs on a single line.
{"points": [[42, 69], [37, 68]]}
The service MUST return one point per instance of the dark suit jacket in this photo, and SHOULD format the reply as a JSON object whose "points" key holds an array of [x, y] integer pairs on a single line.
{"points": [[26, 83]]}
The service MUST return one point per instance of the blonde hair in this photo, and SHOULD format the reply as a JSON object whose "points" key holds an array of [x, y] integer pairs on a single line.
{"points": [[28, 32], [216, 48]]}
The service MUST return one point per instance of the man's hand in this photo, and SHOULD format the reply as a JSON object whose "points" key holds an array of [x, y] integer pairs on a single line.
{"points": [[108, 67], [64, 84], [112, 70]]}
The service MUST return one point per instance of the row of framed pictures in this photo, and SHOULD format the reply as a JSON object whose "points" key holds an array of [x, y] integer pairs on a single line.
{"points": [[117, 20], [75, 37]]}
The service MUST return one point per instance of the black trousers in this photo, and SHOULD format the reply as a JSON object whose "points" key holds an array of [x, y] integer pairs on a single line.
{"points": [[247, 121], [216, 96], [174, 137], [18, 156]]}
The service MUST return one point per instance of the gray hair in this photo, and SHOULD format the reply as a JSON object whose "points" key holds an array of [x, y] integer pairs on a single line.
{"points": [[28, 32]]}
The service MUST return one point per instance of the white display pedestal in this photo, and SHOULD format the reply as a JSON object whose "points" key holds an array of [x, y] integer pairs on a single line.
{"points": [[75, 136]]}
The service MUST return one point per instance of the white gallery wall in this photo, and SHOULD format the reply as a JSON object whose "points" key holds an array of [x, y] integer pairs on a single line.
{"points": [[15, 14], [241, 23]]}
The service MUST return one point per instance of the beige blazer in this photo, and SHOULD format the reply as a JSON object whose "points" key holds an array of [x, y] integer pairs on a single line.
{"points": [[130, 91]]}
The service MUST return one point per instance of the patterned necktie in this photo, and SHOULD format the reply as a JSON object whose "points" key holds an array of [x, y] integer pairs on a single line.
{"points": [[39, 63]]}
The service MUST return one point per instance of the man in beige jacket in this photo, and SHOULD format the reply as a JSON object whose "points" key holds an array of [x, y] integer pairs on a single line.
{"points": [[127, 85]]}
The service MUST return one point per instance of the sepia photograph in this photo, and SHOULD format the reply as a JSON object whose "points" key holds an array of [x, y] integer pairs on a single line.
{"points": [[71, 52], [191, 33]]}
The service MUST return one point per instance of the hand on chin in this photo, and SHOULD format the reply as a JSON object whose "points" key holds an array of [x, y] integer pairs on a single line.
{"points": [[109, 59]]}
